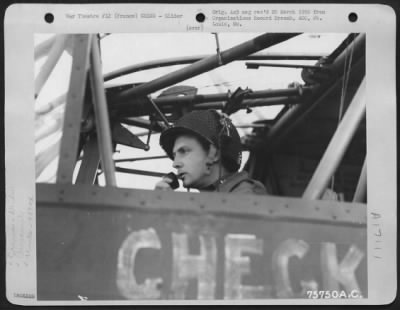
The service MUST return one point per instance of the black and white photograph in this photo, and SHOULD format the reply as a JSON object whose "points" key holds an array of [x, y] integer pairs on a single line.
{"points": [[214, 166], [259, 118]]}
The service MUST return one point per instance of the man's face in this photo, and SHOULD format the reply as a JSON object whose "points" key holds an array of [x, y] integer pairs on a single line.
{"points": [[190, 160]]}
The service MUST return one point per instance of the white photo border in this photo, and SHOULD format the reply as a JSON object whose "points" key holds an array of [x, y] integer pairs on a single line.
{"points": [[22, 21]]}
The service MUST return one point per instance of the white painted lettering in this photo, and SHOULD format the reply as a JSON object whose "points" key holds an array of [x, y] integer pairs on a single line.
{"points": [[201, 267], [126, 280], [280, 265], [237, 265], [334, 273]]}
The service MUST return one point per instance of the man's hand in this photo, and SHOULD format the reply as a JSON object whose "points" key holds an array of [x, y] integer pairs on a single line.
{"points": [[164, 184]]}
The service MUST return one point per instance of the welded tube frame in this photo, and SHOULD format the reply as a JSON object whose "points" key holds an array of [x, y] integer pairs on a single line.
{"points": [[338, 145], [293, 116], [121, 160], [177, 61], [90, 162], [54, 55], [360, 194], [252, 99], [101, 115], [260, 94], [251, 103], [43, 48], [48, 128], [141, 172], [237, 52], [46, 157], [73, 108], [159, 113], [256, 65], [50, 106]]}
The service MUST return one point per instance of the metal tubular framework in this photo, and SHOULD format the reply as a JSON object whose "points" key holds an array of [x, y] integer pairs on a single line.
{"points": [[360, 194], [207, 64], [250, 103], [168, 104], [54, 55], [48, 129], [141, 172], [337, 146], [101, 114], [44, 158], [262, 94], [43, 48], [139, 158], [138, 122], [256, 65], [90, 162], [73, 109], [289, 120], [51, 106], [130, 118], [159, 113], [191, 59]]}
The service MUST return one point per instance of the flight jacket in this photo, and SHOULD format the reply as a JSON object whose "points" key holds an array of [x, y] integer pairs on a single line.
{"points": [[238, 182]]}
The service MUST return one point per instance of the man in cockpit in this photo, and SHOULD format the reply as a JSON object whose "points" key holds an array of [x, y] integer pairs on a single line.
{"points": [[206, 151]]}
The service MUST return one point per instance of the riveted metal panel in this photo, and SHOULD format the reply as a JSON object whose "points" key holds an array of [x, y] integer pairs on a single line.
{"points": [[333, 212], [116, 244]]}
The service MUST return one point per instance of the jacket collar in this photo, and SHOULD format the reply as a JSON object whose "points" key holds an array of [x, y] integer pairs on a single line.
{"points": [[226, 183]]}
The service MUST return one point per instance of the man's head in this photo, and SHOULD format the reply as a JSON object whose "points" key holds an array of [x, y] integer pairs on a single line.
{"points": [[209, 139]]}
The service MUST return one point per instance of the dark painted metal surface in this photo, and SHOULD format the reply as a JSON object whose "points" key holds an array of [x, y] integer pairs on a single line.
{"points": [[209, 98], [110, 243], [90, 162]]}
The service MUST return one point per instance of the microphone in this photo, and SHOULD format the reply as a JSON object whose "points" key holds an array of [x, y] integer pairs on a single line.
{"points": [[174, 184]]}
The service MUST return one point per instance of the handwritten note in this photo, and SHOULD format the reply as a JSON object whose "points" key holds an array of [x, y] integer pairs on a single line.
{"points": [[19, 228], [377, 231]]}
